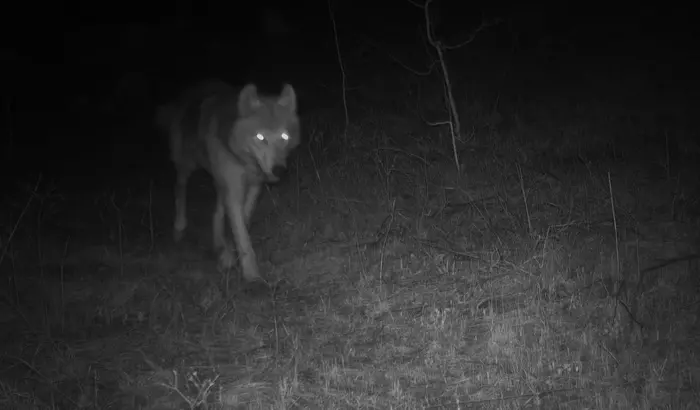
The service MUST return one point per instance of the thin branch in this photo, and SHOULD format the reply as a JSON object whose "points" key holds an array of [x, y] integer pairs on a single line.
{"points": [[472, 36], [414, 71], [342, 67]]}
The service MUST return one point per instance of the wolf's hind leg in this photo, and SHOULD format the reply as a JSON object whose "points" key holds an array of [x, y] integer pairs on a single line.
{"points": [[183, 174], [217, 223], [227, 256]]}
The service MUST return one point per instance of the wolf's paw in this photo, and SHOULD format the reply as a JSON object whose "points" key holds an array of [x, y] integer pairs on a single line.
{"points": [[178, 234], [226, 259], [250, 269]]}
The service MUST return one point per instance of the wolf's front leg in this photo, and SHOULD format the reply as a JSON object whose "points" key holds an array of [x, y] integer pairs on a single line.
{"points": [[246, 254], [183, 174], [250, 201]]}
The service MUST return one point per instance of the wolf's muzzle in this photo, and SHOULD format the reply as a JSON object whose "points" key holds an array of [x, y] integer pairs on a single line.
{"points": [[278, 171]]}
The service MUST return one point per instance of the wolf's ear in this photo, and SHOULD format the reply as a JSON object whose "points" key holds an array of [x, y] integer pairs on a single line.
{"points": [[248, 99], [288, 98]]}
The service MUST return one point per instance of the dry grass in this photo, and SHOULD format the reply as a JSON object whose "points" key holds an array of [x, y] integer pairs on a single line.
{"points": [[395, 284]]}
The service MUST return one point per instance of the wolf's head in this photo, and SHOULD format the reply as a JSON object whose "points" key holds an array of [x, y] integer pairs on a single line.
{"points": [[268, 128]]}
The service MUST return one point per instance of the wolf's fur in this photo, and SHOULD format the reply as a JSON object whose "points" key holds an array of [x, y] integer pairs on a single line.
{"points": [[242, 139]]}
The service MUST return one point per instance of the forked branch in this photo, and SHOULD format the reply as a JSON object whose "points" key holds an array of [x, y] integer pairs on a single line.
{"points": [[454, 121]]}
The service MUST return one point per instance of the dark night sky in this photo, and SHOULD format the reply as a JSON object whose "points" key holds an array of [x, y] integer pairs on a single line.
{"points": [[85, 48], [162, 31]]}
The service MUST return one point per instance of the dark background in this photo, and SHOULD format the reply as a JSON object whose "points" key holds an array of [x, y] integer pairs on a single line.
{"points": [[570, 224], [84, 78]]}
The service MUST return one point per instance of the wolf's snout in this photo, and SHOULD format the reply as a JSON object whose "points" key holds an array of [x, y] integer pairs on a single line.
{"points": [[279, 170]]}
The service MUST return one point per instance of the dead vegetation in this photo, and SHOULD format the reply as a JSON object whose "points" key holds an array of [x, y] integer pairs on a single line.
{"points": [[548, 273]]}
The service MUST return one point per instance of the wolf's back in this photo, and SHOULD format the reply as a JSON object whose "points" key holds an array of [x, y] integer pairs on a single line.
{"points": [[174, 112], [181, 119]]}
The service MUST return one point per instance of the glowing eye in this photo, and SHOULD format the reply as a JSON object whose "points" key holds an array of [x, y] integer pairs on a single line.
{"points": [[285, 136], [260, 137]]}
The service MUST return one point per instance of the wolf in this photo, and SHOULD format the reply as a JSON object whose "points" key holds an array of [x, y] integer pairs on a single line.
{"points": [[242, 138]]}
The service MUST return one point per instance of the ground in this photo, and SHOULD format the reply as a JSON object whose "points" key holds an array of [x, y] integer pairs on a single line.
{"points": [[533, 276]]}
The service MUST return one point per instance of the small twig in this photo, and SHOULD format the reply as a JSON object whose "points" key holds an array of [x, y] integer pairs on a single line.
{"points": [[392, 216], [522, 189], [19, 219], [63, 287], [39, 249], [49, 381], [405, 66], [313, 161], [342, 67], [119, 232], [668, 158], [203, 388], [298, 183], [617, 242], [150, 217]]}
